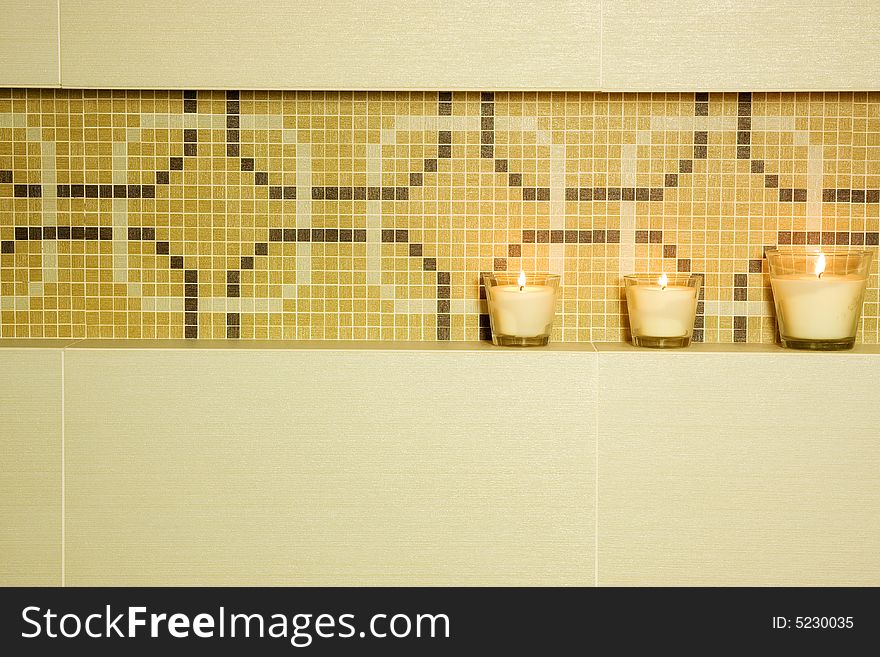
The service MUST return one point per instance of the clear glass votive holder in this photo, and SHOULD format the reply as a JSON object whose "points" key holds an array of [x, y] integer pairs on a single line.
{"points": [[818, 294], [662, 308], [521, 307]]}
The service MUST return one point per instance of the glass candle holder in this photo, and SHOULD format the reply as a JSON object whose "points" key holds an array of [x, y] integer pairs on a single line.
{"points": [[818, 293], [521, 307], [662, 309]]}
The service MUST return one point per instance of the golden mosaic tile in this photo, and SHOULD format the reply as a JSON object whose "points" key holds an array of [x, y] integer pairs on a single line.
{"points": [[310, 215]]}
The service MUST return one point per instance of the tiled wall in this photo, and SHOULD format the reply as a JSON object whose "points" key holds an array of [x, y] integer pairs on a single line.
{"points": [[303, 215]]}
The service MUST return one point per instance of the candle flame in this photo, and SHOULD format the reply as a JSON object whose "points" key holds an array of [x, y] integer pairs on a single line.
{"points": [[663, 281], [820, 265], [521, 280]]}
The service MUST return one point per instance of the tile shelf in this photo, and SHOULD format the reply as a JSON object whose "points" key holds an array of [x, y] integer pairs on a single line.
{"points": [[376, 345]]}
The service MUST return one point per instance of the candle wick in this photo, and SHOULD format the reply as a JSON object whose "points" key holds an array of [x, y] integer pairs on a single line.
{"points": [[521, 288], [819, 275], [662, 287]]}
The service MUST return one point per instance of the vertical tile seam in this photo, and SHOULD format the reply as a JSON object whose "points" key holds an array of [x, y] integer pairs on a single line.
{"points": [[63, 493]]}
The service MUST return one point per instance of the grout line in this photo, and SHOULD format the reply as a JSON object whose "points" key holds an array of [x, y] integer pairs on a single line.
{"points": [[63, 496]]}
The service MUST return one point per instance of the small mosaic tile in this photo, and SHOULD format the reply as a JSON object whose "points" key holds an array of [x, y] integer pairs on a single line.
{"points": [[328, 215]]}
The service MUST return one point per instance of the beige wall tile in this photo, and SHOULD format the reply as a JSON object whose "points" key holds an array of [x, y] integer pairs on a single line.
{"points": [[329, 468], [29, 43], [676, 45], [30, 476], [336, 44], [738, 469]]}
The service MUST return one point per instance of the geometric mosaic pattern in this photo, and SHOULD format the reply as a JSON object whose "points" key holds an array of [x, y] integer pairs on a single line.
{"points": [[328, 215]]}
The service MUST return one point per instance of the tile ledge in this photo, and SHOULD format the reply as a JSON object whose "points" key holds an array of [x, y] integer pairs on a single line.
{"points": [[377, 345], [735, 348]]}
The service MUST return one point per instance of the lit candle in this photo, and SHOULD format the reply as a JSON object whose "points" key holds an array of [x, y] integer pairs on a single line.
{"points": [[818, 305], [661, 314], [522, 311]]}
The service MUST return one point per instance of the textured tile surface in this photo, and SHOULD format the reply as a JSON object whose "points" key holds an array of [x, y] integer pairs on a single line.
{"points": [[738, 469], [335, 44], [29, 43], [30, 475], [329, 468], [670, 45], [340, 216]]}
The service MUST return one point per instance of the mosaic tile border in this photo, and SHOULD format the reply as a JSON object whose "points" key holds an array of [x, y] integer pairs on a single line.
{"points": [[625, 194]]}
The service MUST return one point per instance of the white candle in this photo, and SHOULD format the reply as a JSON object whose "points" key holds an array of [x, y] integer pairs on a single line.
{"points": [[818, 307], [660, 310], [523, 311]]}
